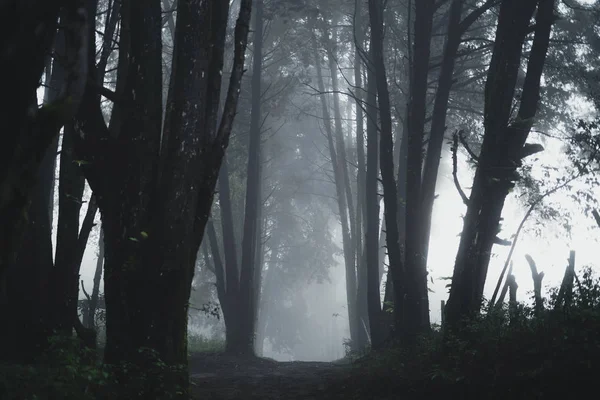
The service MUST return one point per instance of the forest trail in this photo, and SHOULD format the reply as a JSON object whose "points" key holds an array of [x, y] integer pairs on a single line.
{"points": [[220, 377]]}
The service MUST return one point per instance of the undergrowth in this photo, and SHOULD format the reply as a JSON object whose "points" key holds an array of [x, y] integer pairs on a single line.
{"points": [[200, 344], [498, 355], [68, 371]]}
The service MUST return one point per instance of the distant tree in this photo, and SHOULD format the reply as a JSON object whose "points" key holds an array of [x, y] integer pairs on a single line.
{"points": [[241, 281]]}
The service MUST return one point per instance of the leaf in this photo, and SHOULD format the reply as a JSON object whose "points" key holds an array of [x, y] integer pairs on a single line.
{"points": [[81, 162], [144, 234], [133, 239]]}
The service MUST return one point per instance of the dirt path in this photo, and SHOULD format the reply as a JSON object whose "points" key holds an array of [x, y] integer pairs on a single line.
{"points": [[218, 377]]}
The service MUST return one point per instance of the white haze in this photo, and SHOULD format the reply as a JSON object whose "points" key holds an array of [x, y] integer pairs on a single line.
{"points": [[326, 301]]}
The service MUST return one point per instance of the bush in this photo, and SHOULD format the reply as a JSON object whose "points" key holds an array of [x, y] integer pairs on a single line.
{"points": [[552, 354], [67, 371], [200, 344]]}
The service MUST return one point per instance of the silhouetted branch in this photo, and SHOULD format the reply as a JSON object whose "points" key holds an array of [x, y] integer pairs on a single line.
{"points": [[537, 285], [596, 217], [520, 227], [454, 150], [463, 141]]}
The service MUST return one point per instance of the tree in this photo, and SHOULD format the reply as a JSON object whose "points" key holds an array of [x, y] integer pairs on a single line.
{"points": [[386, 160], [27, 171], [155, 189], [341, 180], [503, 146], [240, 296], [31, 34], [416, 295]]}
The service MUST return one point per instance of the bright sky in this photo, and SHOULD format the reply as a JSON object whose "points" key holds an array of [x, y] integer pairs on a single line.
{"points": [[549, 251]]}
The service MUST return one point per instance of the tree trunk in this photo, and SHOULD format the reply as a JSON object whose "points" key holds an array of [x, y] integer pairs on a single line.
{"points": [[417, 297], [362, 215], [25, 308], [266, 300], [89, 319], [66, 274], [565, 293], [27, 40], [386, 160], [251, 243], [27, 166], [537, 286], [372, 242], [342, 204], [501, 149], [230, 301], [512, 300], [156, 192], [438, 124], [361, 339]]}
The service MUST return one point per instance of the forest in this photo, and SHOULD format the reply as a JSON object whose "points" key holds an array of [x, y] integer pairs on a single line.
{"points": [[299, 199]]}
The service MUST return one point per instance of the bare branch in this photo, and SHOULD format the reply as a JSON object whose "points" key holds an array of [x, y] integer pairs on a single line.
{"points": [[454, 150]]}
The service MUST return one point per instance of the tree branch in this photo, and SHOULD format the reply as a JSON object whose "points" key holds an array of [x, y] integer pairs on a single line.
{"points": [[454, 150]]}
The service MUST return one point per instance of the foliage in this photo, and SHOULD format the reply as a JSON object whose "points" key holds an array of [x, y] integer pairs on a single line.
{"points": [[200, 344], [351, 354], [68, 371], [497, 356], [65, 371]]}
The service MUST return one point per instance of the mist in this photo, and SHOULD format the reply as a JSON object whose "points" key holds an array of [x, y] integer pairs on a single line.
{"points": [[199, 198]]}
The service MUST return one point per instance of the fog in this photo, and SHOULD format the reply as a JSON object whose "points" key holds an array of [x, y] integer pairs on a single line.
{"points": [[303, 313]]}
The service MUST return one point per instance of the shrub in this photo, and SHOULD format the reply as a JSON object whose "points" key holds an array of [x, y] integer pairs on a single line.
{"points": [[67, 371], [552, 354], [200, 344]]}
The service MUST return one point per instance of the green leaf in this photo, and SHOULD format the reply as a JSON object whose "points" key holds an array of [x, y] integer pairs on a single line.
{"points": [[133, 239], [144, 234]]}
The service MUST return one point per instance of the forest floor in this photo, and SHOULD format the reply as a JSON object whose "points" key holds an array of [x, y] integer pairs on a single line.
{"points": [[221, 377]]}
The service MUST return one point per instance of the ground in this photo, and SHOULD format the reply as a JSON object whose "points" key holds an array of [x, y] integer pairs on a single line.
{"points": [[220, 377]]}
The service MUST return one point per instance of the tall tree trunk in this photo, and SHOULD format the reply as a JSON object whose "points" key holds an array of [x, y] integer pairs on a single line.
{"points": [[251, 242], [417, 296], [361, 338], [372, 243], [66, 273], [126, 217], [259, 266], [438, 124], [456, 28], [386, 164], [342, 204], [27, 169], [362, 215], [502, 146], [25, 309], [266, 300], [156, 191], [89, 319], [27, 38], [230, 304]]}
